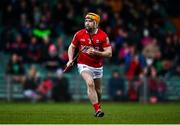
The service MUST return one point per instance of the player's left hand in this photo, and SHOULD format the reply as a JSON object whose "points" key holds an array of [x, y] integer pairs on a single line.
{"points": [[91, 51]]}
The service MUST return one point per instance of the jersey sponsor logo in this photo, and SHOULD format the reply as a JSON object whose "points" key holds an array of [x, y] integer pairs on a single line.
{"points": [[83, 40]]}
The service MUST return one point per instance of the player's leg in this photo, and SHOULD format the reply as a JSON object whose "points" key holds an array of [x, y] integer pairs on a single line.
{"points": [[98, 89], [98, 82], [87, 76]]}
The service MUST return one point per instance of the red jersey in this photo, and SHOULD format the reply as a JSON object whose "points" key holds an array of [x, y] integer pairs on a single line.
{"points": [[100, 41]]}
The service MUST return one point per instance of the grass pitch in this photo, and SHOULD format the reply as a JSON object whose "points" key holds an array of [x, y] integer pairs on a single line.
{"points": [[77, 113]]}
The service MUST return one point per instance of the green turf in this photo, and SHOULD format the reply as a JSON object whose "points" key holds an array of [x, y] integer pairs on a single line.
{"points": [[83, 113]]}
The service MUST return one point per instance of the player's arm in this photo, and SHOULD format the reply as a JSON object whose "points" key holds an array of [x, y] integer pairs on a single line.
{"points": [[106, 53], [71, 51]]}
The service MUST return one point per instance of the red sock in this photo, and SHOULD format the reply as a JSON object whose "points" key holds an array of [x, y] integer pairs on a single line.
{"points": [[97, 106]]}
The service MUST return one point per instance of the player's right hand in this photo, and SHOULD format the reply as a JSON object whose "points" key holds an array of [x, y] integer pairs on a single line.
{"points": [[69, 63]]}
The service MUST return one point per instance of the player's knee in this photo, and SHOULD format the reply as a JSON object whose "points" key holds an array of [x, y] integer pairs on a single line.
{"points": [[90, 84]]}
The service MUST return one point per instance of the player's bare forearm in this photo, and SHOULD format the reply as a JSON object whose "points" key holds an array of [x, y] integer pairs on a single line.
{"points": [[71, 50], [106, 53]]}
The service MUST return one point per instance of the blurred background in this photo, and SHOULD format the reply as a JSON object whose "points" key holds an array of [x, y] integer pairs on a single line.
{"points": [[35, 35]]}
